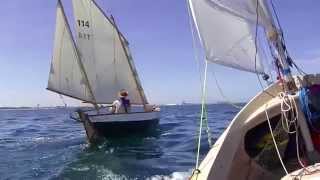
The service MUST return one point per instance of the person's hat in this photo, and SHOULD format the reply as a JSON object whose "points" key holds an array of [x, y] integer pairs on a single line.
{"points": [[123, 93]]}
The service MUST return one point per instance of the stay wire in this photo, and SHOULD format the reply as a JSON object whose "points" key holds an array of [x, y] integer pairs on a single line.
{"points": [[222, 93], [299, 69], [204, 115]]}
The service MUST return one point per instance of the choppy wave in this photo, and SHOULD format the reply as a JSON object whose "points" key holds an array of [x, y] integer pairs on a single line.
{"points": [[47, 144]]}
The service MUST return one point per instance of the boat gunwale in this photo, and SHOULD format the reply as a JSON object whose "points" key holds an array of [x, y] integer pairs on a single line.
{"points": [[105, 114]]}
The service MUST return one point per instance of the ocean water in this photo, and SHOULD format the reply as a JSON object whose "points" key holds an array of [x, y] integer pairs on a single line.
{"points": [[48, 144]]}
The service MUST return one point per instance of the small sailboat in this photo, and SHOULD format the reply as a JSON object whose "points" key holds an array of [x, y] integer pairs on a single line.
{"points": [[94, 68], [275, 134]]}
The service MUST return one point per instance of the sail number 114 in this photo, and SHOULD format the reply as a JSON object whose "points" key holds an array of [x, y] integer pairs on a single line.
{"points": [[83, 23]]}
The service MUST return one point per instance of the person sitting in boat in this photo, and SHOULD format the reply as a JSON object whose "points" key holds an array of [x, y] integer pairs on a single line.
{"points": [[125, 102]]}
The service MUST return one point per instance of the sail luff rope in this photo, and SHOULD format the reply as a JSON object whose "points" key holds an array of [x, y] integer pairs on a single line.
{"points": [[195, 50]]}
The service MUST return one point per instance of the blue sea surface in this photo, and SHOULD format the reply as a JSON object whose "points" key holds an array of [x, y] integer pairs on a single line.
{"points": [[48, 144]]}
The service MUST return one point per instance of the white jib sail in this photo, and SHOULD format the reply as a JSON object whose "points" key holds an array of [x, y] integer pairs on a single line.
{"points": [[65, 75], [103, 55], [227, 31]]}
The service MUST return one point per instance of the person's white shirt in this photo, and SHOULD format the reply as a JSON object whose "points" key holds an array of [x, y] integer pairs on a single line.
{"points": [[115, 106]]}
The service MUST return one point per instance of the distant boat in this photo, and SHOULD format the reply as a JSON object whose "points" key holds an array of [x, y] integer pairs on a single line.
{"points": [[184, 103], [171, 104], [94, 69], [278, 131]]}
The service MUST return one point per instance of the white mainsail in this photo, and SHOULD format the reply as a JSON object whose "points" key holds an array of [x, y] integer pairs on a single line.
{"points": [[66, 76], [227, 32], [105, 55]]}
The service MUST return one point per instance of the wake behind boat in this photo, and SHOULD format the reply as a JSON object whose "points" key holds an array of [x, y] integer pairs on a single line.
{"points": [[277, 133], [97, 69]]}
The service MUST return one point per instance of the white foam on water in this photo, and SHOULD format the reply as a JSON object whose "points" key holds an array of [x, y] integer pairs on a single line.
{"points": [[109, 151], [106, 174], [85, 168], [166, 134], [173, 176]]}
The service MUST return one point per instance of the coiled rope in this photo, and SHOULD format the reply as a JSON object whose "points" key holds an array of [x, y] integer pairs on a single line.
{"points": [[288, 106]]}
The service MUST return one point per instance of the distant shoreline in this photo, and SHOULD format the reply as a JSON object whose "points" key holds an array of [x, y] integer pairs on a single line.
{"points": [[194, 104], [33, 108], [59, 107]]}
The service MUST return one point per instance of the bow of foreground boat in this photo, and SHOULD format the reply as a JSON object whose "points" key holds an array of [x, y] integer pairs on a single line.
{"points": [[246, 150]]}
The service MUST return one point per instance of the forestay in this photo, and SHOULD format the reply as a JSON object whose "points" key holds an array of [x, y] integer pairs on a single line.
{"points": [[65, 75], [227, 31], [103, 53]]}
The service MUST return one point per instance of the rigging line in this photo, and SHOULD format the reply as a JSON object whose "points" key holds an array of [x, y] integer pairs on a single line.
{"points": [[265, 57], [274, 140], [197, 59], [205, 118], [302, 72], [202, 113], [63, 101], [277, 19], [256, 50], [283, 96], [208, 131], [292, 108], [222, 93], [283, 39]]}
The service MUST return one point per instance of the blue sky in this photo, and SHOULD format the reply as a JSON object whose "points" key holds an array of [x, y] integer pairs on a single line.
{"points": [[161, 43]]}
